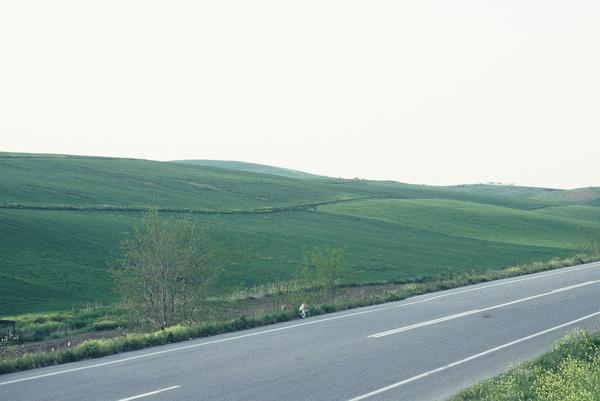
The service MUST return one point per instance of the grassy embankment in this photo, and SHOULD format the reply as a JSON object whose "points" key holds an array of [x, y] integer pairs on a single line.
{"points": [[569, 372]]}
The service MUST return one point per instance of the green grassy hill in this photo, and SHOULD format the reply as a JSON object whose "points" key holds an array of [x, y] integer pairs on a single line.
{"points": [[585, 214], [476, 221], [251, 167], [62, 219], [590, 195], [506, 190]]}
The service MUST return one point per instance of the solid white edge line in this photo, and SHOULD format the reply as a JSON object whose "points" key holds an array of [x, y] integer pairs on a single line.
{"points": [[472, 357], [135, 397], [402, 305], [471, 312]]}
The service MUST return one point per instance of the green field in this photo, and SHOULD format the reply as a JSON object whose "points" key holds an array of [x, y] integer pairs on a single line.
{"points": [[62, 219]]}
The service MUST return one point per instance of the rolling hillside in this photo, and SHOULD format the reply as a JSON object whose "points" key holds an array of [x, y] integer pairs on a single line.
{"points": [[62, 219], [583, 196], [252, 168]]}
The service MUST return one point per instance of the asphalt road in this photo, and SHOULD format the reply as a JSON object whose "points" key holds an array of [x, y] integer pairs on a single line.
{"points": [[422, 348]]}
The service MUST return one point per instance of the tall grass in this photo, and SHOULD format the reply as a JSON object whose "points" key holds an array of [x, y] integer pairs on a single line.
{"points": [[33, 327]]}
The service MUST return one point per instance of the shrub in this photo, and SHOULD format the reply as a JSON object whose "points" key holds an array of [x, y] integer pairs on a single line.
{"points": [[166, 272], [8, 344], [323, 272]]}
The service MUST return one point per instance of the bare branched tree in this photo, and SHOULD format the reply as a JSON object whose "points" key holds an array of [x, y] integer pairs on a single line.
{"points": [[166, 271]]}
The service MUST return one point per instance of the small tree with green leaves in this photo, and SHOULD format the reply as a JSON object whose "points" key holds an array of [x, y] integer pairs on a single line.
{"points": [[595, 247], [590, 247], [166, 272], [323, 271]]}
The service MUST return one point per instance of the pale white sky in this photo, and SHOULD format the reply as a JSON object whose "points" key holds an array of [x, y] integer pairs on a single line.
{"points": [[436, 92]]}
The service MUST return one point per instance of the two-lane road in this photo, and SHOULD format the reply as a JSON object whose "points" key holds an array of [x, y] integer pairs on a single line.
{"points": [[423, 348]]}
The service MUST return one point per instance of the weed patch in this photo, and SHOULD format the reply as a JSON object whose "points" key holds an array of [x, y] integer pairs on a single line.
{"points": [[569, 372]]}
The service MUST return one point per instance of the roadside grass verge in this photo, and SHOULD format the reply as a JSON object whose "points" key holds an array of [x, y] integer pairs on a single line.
{"points": [[568, 372], [41, 326], [12, 361]]}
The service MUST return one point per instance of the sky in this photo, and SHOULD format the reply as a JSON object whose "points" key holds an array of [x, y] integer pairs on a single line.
{"points": [[426, 92]]}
